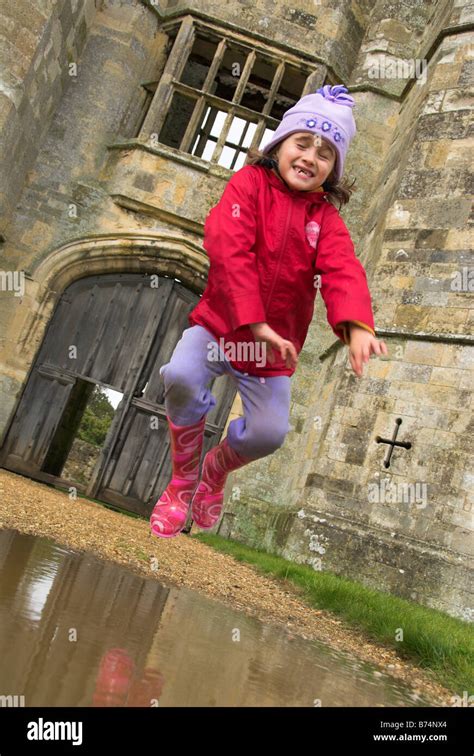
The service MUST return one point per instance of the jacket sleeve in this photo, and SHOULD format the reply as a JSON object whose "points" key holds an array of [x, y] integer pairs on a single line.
{"points": [[229, 239], [343, 279], [356, 322]]}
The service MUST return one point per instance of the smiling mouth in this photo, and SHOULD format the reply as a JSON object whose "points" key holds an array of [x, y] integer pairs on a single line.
{"points": [[302, 172]]}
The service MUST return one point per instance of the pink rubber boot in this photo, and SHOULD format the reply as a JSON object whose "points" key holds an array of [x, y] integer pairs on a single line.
{"points": [[171, 510], [209, 496]]}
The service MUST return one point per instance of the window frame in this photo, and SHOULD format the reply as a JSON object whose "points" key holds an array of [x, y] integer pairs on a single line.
{"points": [[188, 28]]}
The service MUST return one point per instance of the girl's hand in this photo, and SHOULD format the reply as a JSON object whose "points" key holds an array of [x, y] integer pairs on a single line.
{"points": [[362, 345], [270, 338]]}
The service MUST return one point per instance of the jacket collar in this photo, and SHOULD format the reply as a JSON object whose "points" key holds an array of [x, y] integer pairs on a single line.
{"points": [[315, 196]]}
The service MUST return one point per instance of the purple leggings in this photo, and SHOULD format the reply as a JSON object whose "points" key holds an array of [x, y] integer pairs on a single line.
{"points": [[266, 401]]}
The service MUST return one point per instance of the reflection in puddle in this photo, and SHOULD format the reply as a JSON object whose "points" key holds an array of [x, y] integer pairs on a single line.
{"points": [[79, 631]]}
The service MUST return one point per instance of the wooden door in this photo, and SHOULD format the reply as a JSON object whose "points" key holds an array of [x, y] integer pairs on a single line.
{"points": [[114, 330]]}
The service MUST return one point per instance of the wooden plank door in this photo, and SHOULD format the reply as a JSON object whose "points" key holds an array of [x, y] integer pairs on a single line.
{"points": [[115, 330]]}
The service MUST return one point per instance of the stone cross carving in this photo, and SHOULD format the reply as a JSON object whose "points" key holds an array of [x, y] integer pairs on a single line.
{"points": [[393, 442]]}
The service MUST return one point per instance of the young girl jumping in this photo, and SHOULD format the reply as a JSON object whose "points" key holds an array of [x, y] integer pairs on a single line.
{"points": [[273, 240]]}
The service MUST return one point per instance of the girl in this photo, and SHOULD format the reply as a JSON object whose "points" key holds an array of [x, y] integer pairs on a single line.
{"points": [[273, 240]]}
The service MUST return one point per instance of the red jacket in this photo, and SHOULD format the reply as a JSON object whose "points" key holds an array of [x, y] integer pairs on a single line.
{"points": [[270, 249]]}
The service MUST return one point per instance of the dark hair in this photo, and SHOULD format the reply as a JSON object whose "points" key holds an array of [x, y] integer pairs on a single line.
{"points": [[338, 191]]}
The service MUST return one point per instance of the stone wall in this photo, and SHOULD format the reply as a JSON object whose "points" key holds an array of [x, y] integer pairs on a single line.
{"points": [[81, 461], [64, 194], [413, 229], [40, 42]]}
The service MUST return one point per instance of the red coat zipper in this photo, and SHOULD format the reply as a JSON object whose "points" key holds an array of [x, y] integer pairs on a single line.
{"points": [[282, 248]]}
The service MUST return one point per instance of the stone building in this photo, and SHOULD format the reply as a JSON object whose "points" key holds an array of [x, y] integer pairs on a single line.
{"points": [[121, 123]]}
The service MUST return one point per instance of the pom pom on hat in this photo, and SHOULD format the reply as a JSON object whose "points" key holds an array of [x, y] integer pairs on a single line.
{"points": [[336, 94]]}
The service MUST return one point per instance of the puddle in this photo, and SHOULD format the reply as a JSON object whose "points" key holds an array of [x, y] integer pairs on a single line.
{"points": [[79, 631]]}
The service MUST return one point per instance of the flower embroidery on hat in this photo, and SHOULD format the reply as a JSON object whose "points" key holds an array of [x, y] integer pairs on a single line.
{"points": [[312, 123]]}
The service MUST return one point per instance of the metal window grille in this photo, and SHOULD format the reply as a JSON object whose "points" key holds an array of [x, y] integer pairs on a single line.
{"points": [[219, 96]]}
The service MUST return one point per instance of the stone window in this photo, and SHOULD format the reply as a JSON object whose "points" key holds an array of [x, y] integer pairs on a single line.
{"points": [[220, 95]]}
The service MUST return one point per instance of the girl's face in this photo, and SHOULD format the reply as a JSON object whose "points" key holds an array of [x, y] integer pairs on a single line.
{"points": [[309, 151]]}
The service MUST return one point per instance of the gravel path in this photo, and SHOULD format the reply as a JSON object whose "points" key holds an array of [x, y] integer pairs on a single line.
{"points": [[32, 507]]}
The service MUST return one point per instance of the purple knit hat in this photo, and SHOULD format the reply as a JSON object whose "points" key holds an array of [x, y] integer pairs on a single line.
{"points": [[327, 112]]}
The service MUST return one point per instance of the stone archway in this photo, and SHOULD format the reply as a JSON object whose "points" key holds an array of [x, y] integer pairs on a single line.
{"points": [[119, 330]]}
